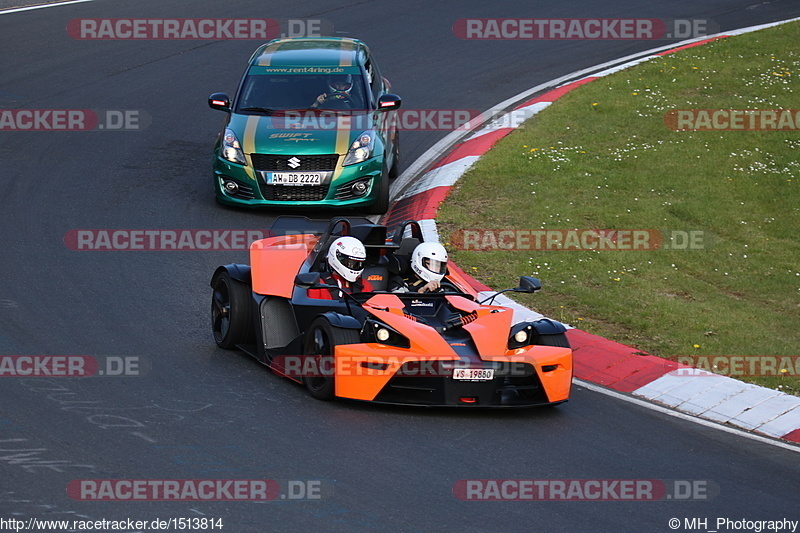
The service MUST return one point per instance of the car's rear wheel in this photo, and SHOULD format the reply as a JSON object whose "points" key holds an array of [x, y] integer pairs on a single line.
{"points": [[320, 341], [231, 312]]}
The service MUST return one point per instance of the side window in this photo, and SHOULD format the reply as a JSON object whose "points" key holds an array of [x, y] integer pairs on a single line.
{"points": [[374, 79], [370, 74]]}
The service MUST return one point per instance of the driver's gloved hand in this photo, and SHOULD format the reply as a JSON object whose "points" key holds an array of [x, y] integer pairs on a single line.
{"points": [[320, 99], [429, 287]]}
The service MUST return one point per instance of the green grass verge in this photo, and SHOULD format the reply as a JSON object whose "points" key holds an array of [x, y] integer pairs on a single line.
{"points": [[602, 157]]}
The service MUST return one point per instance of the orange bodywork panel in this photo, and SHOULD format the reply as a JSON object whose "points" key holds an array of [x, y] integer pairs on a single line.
{"points": [[363, 370], [556, 383], [459, 302], [354, 381], [484, 330], [424, 339], [274, 262]]}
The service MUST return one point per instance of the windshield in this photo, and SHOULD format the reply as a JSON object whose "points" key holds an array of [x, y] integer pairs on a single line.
{"points": [[267, 93], [447, 290]]}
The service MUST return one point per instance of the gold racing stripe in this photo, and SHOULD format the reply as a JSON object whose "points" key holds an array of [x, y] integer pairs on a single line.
{"points": [[249, 143], [346, 59], [343, 125], [266, 56]]}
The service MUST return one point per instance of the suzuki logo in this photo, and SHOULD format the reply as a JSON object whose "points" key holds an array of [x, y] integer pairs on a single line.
{"points": [[293, 162]]}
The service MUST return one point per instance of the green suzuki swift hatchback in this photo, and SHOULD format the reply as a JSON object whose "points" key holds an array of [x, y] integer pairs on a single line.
{"points": [[313, 124]]}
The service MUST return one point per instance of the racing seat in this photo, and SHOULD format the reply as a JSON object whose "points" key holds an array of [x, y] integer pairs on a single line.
{"points": [[400, 261], [407, 246]]}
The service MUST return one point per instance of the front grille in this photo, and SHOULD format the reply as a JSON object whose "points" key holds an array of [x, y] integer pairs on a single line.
{"points": [[305, 163], [513, 385], [283, 193]]}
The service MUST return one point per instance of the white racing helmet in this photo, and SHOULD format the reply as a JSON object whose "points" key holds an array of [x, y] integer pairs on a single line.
{"points": [[346, 257], [429, 261]]}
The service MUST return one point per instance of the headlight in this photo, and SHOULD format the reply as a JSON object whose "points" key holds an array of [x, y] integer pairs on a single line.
{"points": [[522, 334], [231, 149], [361, 149], [378, 332]]}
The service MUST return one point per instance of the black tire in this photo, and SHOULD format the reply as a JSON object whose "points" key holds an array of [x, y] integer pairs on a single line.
{"points": [[381, 204], [559, 339], [231, 312], [394, 172], [320, 341]]}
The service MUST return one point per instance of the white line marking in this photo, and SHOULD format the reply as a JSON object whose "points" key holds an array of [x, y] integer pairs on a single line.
{"points": [[41, 6], [684, 416], [143, 436]]}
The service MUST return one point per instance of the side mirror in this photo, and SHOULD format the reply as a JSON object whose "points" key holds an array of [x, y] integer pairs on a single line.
{"points": [[528, 284], [388, 102], [219, 101], [307, 280], [311, 280]]}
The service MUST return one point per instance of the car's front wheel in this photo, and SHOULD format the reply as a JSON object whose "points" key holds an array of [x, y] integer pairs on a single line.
{"points": [[381, 204], [320, 341], [559, 340], [394, 172]]}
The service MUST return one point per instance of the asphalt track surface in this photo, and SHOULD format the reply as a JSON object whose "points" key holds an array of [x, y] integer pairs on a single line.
{"points": [[204, 413]]}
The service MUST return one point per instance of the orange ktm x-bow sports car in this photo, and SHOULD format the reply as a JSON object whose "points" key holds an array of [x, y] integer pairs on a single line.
{"points": [[444, 348]]}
